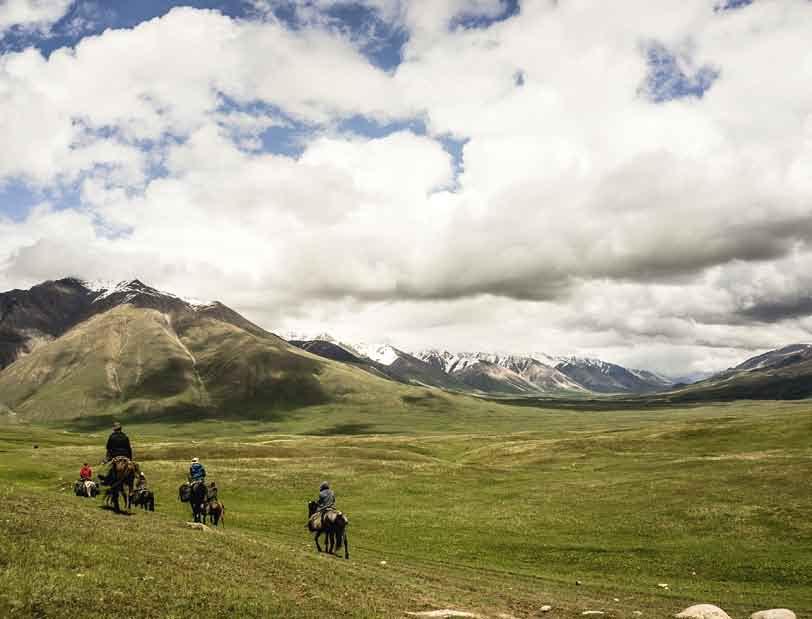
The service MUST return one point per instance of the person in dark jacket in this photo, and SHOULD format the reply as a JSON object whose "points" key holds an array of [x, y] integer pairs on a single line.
{"points": [[327, 498], [118, 444]]}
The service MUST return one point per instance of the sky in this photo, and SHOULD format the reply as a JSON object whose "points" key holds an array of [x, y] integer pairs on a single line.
{"points": [[624, 180]]}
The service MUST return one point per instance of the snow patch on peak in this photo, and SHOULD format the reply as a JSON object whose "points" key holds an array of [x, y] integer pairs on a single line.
{"points": [[380, 353], [130, 289]]}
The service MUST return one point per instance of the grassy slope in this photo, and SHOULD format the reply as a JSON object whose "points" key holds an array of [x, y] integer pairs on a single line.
{"points": [[484, 508], [105, 364], [134, 361]]}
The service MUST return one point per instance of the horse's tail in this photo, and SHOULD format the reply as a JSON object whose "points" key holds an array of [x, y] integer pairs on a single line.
{"points": [[340, 524]]}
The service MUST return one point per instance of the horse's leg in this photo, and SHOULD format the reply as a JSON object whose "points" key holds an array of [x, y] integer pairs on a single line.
{"points": [[346, 546], [318, 534]]}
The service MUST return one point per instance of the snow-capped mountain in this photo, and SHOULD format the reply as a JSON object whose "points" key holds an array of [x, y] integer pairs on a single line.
{"points": [[491, 372], [604, 377], [379, 353], [536, 375], [782, 357]]}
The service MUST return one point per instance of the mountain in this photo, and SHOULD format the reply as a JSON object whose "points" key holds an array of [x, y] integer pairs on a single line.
{"points": [[776, 359], [30, 318], [782, 374], [74, 351], [603, 377], [497, 373], [382, 360]]}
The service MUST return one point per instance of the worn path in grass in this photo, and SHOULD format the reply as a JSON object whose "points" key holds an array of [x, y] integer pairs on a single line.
{"points": [[715, 501]]}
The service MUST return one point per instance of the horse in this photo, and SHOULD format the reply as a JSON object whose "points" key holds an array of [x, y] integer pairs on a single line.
{"points": [[86, 488], [196, 495], [333, 524], [144, 499], [124, 471], [216, 512]]}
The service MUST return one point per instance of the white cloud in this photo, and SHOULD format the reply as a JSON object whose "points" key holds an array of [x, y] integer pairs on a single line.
{"points": [[587, 218], [31, 15]]}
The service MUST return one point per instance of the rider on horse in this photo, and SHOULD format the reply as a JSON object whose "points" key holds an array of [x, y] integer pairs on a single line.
{"points": [[85, 473], [197, 472], [325, 503], [327, 498], [118, 446]]}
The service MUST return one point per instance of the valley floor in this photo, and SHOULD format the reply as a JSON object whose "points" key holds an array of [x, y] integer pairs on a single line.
{"points": [[500, 518]]}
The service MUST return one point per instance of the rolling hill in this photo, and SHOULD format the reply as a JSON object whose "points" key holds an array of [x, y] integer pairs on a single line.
{"points": [[72, 351], [782, 374]]}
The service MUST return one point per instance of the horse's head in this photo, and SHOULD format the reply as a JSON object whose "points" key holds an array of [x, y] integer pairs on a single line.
{"points": [[312, 507]]}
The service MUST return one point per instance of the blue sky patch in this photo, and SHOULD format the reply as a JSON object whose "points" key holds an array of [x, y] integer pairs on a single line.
{"points": [[668, 79], [509, 9]]}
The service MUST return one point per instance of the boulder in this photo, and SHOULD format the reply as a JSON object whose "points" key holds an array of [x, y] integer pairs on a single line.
{"points": [[198, 526], [774, 613], [703, 611], [442, 613]]}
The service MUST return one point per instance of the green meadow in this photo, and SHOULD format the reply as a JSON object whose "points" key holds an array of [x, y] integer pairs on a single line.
{"points": [[453, 503]]}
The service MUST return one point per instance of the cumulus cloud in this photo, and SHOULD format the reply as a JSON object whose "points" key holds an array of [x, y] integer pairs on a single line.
{"points": [[587, 213], [31, 14]]}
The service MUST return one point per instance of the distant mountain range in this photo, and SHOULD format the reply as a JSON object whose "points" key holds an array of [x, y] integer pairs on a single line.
{"points": [[70, 349], [492, 373], [780, 374]]}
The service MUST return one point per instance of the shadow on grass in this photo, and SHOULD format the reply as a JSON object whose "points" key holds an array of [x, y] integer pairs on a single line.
{"points": [[109, 508], [344, 429]]}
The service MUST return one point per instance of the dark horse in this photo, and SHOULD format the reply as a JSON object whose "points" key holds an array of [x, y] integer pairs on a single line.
{"points": [[333, 524], [123, 471], [195, 494], [216, 512], [144, 499]]}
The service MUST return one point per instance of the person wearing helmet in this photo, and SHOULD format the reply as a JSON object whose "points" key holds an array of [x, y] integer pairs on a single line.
{"points": [[327, 498], [196, 471], [141, 482]]}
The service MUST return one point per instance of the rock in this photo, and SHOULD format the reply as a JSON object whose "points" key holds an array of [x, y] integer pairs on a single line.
{"points": [[662, 585], [638, 613], [198, 526], [703, 611], [593, 612], [383, 563], [442, 614], [774, 613], [546, 608]]}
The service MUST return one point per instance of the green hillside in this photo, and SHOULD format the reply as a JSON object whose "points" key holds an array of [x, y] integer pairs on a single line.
{"points": [[131, 361], [497, 516]]}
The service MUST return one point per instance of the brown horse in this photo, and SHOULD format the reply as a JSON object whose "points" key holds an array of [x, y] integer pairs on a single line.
{"points": [[216, 512], [331, 523], [123, 472]]}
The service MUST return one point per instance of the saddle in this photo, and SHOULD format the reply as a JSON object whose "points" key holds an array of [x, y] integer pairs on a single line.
{"points": [[322, 518]]}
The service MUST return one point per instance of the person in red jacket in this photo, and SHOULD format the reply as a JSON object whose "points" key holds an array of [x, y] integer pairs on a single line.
{"points": [[85, 473]]}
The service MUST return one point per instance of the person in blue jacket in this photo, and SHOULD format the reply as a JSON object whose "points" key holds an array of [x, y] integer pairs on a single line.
{"points": [[196, 472]]}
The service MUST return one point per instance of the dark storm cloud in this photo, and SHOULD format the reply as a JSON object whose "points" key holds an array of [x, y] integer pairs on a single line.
{"points": [[776, 311]]}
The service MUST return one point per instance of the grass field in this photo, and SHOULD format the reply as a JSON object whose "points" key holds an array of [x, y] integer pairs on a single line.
{"points": [[471, 505]]}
